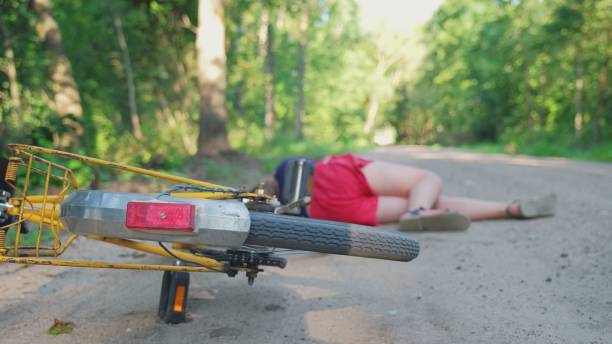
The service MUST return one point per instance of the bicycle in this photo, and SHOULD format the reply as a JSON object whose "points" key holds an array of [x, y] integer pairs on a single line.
{"points": [[212, 228]]}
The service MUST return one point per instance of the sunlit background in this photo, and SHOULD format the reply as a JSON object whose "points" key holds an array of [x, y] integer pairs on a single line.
{"points": [[401, 16]]}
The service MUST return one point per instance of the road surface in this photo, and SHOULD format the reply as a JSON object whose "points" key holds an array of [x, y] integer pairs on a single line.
{"points": [[538, 281]]}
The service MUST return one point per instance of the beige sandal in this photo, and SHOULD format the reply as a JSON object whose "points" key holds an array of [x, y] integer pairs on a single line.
{"points": [[534, 207], [444, 221]]}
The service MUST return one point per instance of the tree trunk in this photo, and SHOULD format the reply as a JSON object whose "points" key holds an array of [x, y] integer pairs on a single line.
{"points": [[402, 116], [129, 78], [237, 98], [235, 49], [210, 45], [371, 115], [528, 98], [602, 95], [11, 72], [374, 96], [301, 71], [579, 95], [270, 113], [66, 98], [407, 132]]}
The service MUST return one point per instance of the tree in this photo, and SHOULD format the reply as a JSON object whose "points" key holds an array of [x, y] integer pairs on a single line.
{"points": [[210, 45], [270, 112], [392, 66], [66, 98], [301, 69], [129, 78], [11, 70], [602, 94]]}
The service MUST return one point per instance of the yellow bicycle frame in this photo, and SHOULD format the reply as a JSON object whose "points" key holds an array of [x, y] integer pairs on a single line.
{"points": [[44, 210]]}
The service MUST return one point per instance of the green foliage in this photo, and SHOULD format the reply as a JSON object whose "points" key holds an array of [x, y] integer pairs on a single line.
{"points": [[524, 73], [61, 327], [599, 152], [28, 239], [527, 74]]}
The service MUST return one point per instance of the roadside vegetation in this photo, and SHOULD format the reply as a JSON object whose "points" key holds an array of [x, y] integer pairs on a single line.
{"points": [[600, 152]]}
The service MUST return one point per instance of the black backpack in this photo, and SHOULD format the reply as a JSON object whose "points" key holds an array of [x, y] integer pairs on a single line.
{"points": [[298, 181]]}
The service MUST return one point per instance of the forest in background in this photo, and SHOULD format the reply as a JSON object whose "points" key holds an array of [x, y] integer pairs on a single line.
{"points": [[155, 83]]}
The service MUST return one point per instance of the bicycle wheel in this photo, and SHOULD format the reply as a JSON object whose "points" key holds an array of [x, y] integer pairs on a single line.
{"points": [[305, 234]]}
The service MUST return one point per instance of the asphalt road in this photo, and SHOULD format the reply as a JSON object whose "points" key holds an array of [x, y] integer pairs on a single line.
{"points": [[538, 281]]}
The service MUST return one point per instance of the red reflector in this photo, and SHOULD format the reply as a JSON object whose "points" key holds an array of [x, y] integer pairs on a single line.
{"points": [[177, 217]]}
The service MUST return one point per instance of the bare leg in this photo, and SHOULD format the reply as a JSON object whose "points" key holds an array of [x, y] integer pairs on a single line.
{"points": [[390, 209], [420, 187], [403, 188], [477, 209]]}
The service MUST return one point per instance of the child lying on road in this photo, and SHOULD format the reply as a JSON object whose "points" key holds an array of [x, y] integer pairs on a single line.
{"points": [[349, 188]]}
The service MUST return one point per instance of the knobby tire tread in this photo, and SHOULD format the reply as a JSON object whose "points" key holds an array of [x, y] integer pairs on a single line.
{"points": [[306, 234]]}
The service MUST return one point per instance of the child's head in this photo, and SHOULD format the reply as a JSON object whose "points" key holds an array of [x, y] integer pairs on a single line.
{"points": [[270, 187]]}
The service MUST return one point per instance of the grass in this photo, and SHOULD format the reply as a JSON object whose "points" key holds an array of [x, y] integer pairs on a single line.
{"points": [[278, 151], [251, 165], [600, 152], [237, 172], [60, 327], [248, 170], [28, 239]]}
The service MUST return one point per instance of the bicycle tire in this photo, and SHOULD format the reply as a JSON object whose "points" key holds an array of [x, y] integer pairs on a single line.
{"points": [[305, 234]]}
